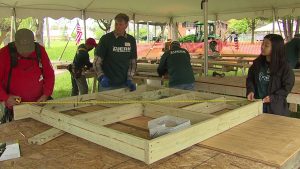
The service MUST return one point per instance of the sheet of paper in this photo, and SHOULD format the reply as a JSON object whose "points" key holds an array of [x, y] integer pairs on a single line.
{"points": [[11, 151]]}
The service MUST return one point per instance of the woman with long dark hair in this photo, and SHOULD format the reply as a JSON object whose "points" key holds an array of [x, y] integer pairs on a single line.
{"points": [[270, 78]]}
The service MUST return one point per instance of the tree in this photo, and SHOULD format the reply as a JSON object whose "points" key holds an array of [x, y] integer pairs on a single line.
{"points": [[39, 24], [254, 23], [104, 24], [239, 26], [64, 33], [288, 25], [5, 27], [28, 23], [143, 33], [253, 26]]}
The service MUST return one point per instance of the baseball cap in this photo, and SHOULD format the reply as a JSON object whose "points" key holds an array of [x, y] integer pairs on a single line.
{"points": [[24, 41], [175, 43], [91, 41]]}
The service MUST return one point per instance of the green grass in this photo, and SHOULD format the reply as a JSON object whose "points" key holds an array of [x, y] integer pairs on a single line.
{"points": [[57, 47], [63, 85]]}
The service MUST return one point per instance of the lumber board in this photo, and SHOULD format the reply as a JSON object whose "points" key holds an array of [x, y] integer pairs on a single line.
{"points": [[45, 136], [125, 91], [115, 140], [140, 122], [188, 96], [21, 112], [293, 107], [238, 55], [221, 63], [169, 144], [74, 102], [155, 111], [129, 130], [208, 107], [99, 117], [155, 94], [221, 89]]}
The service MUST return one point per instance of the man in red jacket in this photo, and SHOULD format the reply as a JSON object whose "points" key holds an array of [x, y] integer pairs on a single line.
{"points": [[25, 73]]}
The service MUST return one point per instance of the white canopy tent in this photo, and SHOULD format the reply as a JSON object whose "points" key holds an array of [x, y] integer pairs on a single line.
{"points": [[155, 10], [269, 27]]}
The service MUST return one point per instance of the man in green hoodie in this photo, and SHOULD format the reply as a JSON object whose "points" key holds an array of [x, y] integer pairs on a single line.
{"points": [[293, 51], [176, 62]]}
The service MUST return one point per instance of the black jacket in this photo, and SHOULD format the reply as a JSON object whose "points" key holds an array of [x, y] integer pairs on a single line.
{"points": [[82, 57], [280, 85]]}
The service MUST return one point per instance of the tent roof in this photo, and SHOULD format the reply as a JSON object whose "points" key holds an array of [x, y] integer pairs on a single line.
{"points": [[269, 27], [154, 10]]}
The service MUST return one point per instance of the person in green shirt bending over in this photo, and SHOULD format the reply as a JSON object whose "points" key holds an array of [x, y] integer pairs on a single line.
{"points": [[292, 49], [81, 61], [115, 59], [176, 62]]}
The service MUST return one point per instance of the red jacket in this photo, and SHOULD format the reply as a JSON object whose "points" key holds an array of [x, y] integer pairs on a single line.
{"points": [[27, 79]]}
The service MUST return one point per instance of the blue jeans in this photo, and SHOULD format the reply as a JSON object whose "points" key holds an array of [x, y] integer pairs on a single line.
{"points": [[188, 86], [102, 89], [265, 108]]}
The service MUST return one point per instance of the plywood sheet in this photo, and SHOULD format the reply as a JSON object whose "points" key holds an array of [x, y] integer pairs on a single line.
{"points": [[269, 139], [70, 151]]}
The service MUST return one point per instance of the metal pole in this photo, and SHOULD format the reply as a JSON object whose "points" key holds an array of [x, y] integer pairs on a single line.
{"points": [[48, 31], [13, 24], [155, 30], [274, 20], [175, 31], [128, 27], [133, 17], [138, 33], [171, 28], [148, 33], [205, 7], [84, 23]]}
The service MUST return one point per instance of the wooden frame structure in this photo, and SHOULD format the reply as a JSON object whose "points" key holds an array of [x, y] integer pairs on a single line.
{"points": [[236, 86], [208, 118]]}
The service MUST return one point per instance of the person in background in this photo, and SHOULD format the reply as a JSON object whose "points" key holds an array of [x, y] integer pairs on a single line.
{"points": [[270, 78], [116, 55], [292, 49], [176, 64], [80, 63]]}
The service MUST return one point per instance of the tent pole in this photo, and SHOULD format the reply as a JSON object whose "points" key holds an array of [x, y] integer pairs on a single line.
{"points": [[84, 23], [148, 33], [48, 31], [133, 17], [138, 32], [175, 31], [155, 30], [128, 27], [13, 24], [171, 28], [274, 20], [204, 5]]}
